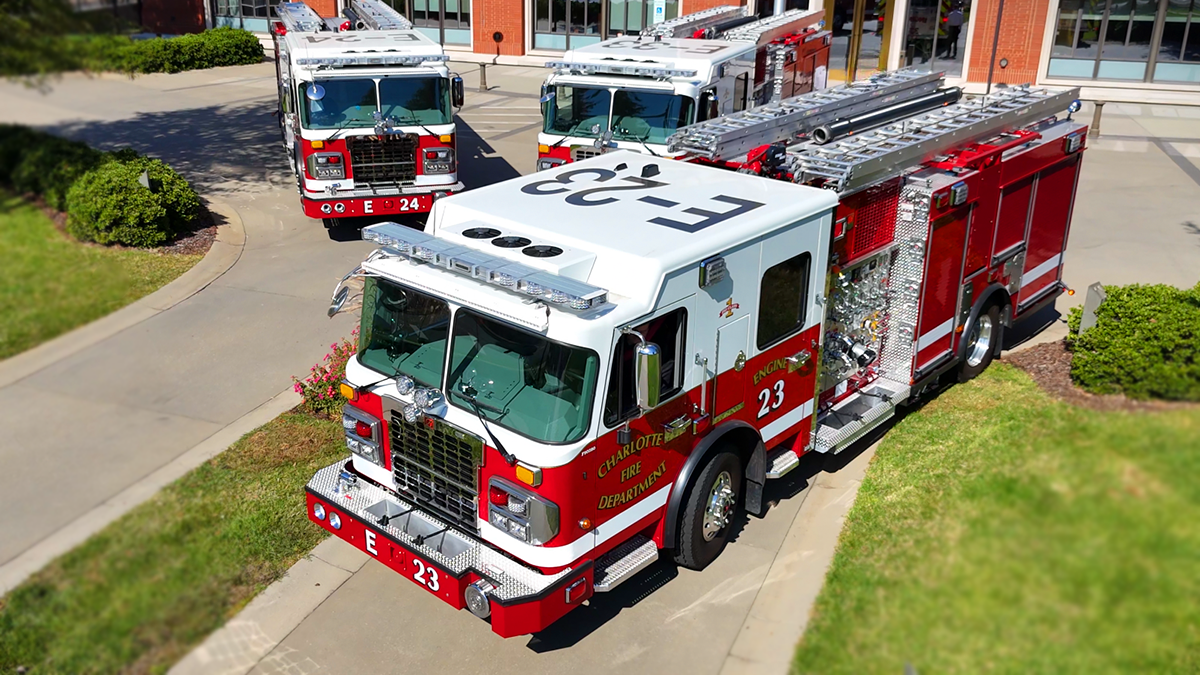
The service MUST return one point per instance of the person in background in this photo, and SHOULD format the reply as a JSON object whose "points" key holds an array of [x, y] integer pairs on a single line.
{"points": [[954, 22]]}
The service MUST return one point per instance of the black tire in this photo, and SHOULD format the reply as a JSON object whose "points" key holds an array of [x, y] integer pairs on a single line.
{"points": [[696, 547], [982, 337]]}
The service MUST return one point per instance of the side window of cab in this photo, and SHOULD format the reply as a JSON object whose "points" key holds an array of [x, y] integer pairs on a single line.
{"points": [[668, 332]]}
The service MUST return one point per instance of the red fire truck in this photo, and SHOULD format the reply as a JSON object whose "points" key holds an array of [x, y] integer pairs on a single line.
{"points": [[365, 110], [634, 92], [572, 373]]}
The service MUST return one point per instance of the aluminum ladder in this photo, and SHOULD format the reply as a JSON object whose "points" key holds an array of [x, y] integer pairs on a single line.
{"points": [[686, 25], [754, 33], [734, 135], [379, 16], [298, 17], [871, 156]]}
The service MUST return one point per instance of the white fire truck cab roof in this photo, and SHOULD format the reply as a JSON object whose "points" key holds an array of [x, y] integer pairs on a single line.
{"points": [[645, 57], [367, 48], [623, 220]]}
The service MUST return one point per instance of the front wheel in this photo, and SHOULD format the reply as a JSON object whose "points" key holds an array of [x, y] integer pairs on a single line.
{"points": [[713, 504], [982, 337]]}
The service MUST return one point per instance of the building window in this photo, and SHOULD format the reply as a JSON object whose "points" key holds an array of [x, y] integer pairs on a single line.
{"points": [[568, 24], [249, 9], [782, 300], [1116, 40], [444, 21]]}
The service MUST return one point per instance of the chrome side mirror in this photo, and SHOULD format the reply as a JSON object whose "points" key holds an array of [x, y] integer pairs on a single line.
{"points": [[649, 376], [315, 92], [348, 294], [547, 95], [457, 95]]}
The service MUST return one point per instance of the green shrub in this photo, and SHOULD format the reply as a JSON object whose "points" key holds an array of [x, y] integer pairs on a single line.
{"points": [[48, 165], [217, 47], [109, 205], [1145, 344]]}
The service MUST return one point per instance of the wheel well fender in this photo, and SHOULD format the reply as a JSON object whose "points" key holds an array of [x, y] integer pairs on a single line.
{"points": [[741, 436], [994, 294]]}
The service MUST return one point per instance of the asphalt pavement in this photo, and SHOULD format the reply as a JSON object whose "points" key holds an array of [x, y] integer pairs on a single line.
{"points": [[92, 423]]}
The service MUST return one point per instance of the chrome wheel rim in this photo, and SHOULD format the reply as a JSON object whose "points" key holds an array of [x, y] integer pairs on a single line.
{"points": [[719, 508], [980, 341]]}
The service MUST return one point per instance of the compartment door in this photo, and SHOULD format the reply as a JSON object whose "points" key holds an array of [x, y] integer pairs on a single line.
{"points": [[939, 296], [1053, 199]]}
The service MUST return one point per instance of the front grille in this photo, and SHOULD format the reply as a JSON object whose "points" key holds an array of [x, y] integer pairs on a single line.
{"points": [[584, 152], [438, 467], [383, 160]]}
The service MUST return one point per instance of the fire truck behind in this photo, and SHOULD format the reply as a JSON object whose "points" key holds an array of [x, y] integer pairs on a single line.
{"points": [[365, 110], [575, 372], [633, 92]]}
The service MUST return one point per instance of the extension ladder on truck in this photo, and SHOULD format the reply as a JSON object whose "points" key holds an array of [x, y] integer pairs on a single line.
{"points": [[872, 156], [772, 27], [735, 135], [687, 25], [376, 15]]}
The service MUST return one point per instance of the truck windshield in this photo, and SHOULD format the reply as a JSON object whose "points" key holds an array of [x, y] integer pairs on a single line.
{"points": [[649, 116], [521, 381], [574, 111], [349, 102], [403, 332], [415, 100]]}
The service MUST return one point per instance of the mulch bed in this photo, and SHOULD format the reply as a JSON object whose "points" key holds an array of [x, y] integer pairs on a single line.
{"points": [[196, 241], [1049, 365]]}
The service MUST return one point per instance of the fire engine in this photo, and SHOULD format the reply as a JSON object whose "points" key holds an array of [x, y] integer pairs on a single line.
{"points": [[633, 92], [572, 373], [365, 110]]}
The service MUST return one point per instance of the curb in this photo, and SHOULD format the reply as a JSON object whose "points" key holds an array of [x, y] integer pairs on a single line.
{"points": [[80, 529], [767, 641], [224, 253]]}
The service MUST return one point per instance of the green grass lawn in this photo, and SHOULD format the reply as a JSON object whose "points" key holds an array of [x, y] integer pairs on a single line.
{"points": [[1001, 531], [50, 284], [148, 588]]}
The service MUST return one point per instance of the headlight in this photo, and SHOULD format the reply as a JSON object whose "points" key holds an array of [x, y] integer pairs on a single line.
{"points": [[544, 163], [438, 160], [319, 511], [411, 413], [326, 166], [425, 399], [404, 384], [521, 513], [363, 434]]}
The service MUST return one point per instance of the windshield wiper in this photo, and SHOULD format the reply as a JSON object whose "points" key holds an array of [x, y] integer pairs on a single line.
{"points": [[413, 119], [469, 392], [641, 140], [568, 134]]}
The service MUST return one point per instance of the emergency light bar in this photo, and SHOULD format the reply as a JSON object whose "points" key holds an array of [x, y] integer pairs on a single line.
{"points": [[420, 247], [371, 59], [299, 17], [617, 69]]}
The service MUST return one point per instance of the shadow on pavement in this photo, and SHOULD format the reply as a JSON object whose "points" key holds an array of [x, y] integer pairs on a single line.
{"points": [[475, 167], [232, 149]]}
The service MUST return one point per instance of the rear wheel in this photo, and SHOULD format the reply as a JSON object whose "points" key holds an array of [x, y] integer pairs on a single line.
{"points": [[982, 337], [713, 504]]}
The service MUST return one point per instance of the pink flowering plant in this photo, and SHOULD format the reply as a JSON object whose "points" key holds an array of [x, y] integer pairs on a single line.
{"points": [[320, 388]]}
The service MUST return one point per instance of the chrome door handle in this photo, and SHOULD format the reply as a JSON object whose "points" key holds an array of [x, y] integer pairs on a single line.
{"points": [[799, 360], [679, 422]]}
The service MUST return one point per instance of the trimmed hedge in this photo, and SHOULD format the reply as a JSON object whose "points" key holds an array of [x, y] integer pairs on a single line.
{"points": [[213, 48], [1145, 344], [109, 205], [100, 191]]}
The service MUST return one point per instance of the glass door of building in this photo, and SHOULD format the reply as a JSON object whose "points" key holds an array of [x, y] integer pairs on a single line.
{"points": [[935, 33], [566, 24], [1127, 40]]}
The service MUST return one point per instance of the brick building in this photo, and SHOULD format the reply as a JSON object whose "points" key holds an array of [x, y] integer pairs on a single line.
{"points": [[1137, 50]]}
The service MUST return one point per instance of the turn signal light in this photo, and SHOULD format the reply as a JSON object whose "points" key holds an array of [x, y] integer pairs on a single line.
{"points": [[497, 496], [446, 138], [431, 154], [333, 159], [529, 475], [349, 393], [543, 148], [362, 429], [317, 145], [585, 524]]}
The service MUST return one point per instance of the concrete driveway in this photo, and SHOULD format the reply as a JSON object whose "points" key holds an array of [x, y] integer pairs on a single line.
{"points": [[104, 417]]}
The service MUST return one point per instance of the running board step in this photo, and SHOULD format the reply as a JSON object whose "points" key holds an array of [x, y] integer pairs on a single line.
{"points": [[780, 462], [621, 563]]}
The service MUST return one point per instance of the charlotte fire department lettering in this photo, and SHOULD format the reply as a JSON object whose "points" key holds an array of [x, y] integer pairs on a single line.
{"points": [[622, 498], [647, 441]]}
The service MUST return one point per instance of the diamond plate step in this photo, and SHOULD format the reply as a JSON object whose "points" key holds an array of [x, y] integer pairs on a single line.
{"points": [[781, 461], [624, 561]]}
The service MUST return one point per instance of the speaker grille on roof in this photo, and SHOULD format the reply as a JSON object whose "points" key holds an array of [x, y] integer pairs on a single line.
{"points": [[510, 242], [481, 233], [542, 251]]}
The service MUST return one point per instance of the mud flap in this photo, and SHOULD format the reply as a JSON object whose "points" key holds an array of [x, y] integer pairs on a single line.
{"points": [[756, 476]]}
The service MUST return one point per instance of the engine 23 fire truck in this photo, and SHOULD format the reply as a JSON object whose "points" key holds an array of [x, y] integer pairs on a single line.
{"points": [[365, 109], [573, 372], [633, 92]]}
